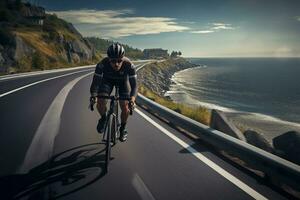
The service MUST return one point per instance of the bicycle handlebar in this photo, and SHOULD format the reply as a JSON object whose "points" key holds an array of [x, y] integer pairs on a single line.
{"points": [[131, 104], [114, 98]]}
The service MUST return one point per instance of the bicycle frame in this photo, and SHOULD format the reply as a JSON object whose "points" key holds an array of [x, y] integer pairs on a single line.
{"points": [[112, 118]]}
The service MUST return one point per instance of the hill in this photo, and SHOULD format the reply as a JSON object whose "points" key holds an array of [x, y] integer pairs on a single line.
{"points": [[32, 40], [101, 46]]}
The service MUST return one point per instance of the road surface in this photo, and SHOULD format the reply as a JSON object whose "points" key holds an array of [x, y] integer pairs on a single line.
{"points": [[50, 149]]}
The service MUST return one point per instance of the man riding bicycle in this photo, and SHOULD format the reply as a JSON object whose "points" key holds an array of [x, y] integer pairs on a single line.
{"points": [[114, 70]]}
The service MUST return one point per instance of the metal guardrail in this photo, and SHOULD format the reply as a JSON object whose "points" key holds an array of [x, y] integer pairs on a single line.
{"points": [[274, 167]]}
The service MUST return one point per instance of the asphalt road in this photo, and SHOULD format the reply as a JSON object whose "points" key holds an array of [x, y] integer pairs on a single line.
{"points": [[49, 148]]}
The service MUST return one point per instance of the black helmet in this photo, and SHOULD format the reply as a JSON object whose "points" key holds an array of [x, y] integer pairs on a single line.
{"points": [[115, 50]]}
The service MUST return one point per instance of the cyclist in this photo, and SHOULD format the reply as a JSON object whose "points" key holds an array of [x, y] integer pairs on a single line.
{"points": [[114, 70]]}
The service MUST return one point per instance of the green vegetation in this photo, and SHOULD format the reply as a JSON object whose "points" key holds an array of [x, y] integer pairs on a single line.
{"points": [[5, 15], [101, 46], [6, 38], [175, 54], [199, 113], [38, 61]]}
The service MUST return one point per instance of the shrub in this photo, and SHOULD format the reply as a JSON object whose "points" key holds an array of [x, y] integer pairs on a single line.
{"points": [[38, 61], [6, 16], [24, 64], [6, 37]]}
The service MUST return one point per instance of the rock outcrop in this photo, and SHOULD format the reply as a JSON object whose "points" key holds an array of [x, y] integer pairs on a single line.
{"points": [[220, 122], [32, 11], [27, 32], [256, 139], [21, 49], [288, 145]]}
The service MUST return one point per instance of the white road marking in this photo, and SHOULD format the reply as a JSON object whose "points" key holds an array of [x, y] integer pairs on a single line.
{"points": [[141, 188], [41, 147], [41, 81], [208, 162], [19, 75]]}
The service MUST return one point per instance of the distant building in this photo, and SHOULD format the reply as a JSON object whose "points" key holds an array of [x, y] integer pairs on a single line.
{"points": [[155, 53]]}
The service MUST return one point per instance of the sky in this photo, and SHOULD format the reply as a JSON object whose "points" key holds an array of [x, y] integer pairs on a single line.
{"points": [[214, 28]]}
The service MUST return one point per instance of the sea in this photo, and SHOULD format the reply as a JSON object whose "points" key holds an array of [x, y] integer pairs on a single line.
{"points": [[262, 94]]}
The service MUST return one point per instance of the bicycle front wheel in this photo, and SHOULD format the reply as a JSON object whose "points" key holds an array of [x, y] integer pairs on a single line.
{"points": [[108, 142]]}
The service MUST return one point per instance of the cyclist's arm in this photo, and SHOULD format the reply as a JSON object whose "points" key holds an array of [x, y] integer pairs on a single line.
{"points": [[133, 81], [98, 75]]}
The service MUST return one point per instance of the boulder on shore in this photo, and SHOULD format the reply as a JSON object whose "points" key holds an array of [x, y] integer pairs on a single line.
{"points": [[220, 122], [256, 139], [289, 144]]}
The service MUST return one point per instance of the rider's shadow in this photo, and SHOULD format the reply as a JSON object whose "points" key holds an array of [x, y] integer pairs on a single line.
{"points": [[63, 174]]}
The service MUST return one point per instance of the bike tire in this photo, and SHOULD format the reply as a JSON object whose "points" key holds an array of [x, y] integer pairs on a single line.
{"points": [[108, 142], [114, 130]]}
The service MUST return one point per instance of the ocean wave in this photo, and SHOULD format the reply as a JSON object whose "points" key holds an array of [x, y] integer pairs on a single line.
{"points": [[250, 115], [190, 69], [174, 92], [268, 118], [183, 97]]}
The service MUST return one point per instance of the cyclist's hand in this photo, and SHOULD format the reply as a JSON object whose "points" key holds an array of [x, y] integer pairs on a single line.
{"points": [[131, 105], [132, 99], [92, 99], [92, 102]]}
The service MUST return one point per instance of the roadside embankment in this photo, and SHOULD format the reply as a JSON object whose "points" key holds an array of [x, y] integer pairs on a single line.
{"points": [[154, 80]]}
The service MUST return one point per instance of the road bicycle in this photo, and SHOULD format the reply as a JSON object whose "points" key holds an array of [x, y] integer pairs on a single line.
{"points": [[112, 124]]}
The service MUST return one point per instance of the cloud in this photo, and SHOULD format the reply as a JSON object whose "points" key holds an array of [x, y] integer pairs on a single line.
{"points": [[215, 27], [118, 23], [203, 32], [283, 51], [221, 26], [298, 18]]}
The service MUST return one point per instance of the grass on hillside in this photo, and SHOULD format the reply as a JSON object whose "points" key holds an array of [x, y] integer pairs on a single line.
{"points": [[35, 39], [199, 113]]}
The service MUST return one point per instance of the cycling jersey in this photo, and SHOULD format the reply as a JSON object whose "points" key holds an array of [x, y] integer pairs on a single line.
{"points": [[106, 77]]}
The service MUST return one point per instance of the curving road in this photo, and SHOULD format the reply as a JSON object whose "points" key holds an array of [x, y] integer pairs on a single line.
{"points": [[49, 148]]}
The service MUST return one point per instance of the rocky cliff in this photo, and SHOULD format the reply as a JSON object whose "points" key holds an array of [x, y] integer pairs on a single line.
{"points": [[30, 40], [157, 76]]}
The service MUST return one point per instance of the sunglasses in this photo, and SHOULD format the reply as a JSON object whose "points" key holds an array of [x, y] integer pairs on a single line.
{"points": [[116, 60]]}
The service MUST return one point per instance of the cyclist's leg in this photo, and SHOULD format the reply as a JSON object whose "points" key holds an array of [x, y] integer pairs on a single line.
{"points": [[105, 89], [124, 92], [101, 104], [124, 111]]}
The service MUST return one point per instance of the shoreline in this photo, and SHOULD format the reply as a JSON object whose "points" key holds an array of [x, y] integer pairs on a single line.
{"points": [[266, 125]]}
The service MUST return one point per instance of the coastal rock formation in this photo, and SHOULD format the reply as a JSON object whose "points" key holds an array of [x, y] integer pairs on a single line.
{"points": [[289, 144], [256, 139], [157, 76], [220, 122]]}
